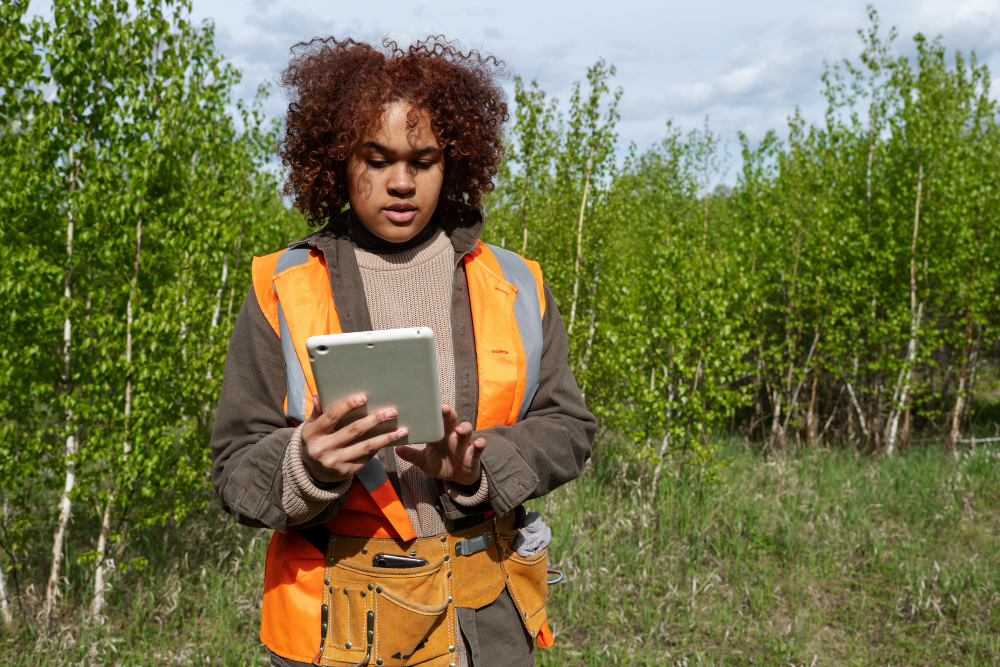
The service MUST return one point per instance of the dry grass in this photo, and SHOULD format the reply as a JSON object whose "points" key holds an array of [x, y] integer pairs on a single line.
{"points": [[825, 559]]}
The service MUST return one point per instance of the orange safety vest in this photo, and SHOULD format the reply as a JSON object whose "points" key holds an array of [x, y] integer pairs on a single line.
{"points": [[293, 289]]}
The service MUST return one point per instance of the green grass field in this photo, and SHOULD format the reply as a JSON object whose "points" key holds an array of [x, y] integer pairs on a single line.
{"points": [[824, 559]]}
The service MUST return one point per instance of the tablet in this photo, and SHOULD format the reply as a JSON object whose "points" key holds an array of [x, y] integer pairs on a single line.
{"points": [[394, 368]]}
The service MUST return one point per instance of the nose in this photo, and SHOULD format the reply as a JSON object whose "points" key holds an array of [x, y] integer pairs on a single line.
{"points": [[401, 179]]}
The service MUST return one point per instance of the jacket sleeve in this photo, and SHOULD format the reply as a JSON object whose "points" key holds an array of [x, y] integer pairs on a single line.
{"points": [[551, 444], [251, 435]]}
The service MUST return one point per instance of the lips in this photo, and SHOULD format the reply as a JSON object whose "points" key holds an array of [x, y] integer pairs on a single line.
{"points": [[400, 213]]}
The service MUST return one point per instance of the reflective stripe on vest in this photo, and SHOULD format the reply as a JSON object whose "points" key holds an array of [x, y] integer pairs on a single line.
{"points": [[295, 403], [299, 399], [293, 290], [528, 316]]}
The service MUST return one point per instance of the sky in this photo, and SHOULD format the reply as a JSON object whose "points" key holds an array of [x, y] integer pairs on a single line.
{"points": [[744, 65]]}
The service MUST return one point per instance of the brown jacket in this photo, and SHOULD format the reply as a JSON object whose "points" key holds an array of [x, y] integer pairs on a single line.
{"points": [[527, 460]]}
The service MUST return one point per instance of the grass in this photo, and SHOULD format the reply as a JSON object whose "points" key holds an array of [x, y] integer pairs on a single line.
{"points": [[824, 559]]}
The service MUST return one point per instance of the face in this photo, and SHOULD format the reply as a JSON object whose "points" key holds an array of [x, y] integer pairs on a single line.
{"points": [[394, 175]]}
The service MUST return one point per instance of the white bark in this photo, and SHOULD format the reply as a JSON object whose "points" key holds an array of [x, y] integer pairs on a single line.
{"points": [[585, 359], [956, 415], [811, 416], [665, 443], [97, 608], [857, 408], [8, 620], [218, 292], [65, 507], [776, 421], [126, 447], [899, 396], [579, 242], [905, 381], [65, 504]]}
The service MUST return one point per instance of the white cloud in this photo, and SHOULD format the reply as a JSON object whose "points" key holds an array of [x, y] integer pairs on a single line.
{"points": [[746, 65], [742, 79]]}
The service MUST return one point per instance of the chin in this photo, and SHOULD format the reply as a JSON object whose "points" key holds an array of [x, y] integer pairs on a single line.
{"points": [[399, 232]]}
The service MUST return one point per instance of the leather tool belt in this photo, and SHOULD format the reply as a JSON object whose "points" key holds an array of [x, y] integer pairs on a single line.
{"points": [[406, 616]]}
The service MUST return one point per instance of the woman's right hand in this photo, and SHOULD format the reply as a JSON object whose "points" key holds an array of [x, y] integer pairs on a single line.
{"points": [[328, 452]]}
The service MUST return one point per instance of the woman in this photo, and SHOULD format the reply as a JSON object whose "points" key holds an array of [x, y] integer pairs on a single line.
{"points": [[411, 140]]}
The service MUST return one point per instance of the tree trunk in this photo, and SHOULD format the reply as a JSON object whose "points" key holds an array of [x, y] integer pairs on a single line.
{"points": [[585, 357], [65, 504], [8, 620], [97, 607], [871, 152], [579, 242], [900, 395], [776, 435], [811, 413], [218, 292], [857, 408], [903, 385], [968, 358], [665, 443]]}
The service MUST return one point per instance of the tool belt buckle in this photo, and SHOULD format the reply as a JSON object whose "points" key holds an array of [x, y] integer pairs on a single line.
{"points": [[473, 544]]}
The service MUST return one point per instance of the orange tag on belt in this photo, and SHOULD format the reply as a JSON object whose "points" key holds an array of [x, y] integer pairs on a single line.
{"points": [[544, 638]]}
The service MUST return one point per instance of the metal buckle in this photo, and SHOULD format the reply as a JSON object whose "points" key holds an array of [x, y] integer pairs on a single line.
{"points": [[473, 544]]}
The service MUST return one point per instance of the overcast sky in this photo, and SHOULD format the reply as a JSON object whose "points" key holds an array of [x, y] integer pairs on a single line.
{"points": [[744, 64]]}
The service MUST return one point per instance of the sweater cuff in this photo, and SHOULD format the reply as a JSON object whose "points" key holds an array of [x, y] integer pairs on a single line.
{"points": [[462, 496], [301, 497]]}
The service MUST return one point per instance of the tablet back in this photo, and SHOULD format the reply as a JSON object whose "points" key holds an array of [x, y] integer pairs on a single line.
{"points": [[394, 368]]}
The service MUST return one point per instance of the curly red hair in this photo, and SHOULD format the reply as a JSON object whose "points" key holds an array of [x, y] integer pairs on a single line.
{"points": [[338, 91]]}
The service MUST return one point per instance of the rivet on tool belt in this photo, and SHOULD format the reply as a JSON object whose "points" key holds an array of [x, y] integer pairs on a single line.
{"points": [[473, 545]]}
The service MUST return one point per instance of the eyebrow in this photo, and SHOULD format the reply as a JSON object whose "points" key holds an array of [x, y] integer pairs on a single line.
{"points": [[383, 149]]}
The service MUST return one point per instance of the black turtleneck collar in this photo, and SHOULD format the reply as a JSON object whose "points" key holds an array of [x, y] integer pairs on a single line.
{"points": [[366, 240]]}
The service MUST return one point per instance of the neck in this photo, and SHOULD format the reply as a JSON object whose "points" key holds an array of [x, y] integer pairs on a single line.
{"points": [[365, 239]]}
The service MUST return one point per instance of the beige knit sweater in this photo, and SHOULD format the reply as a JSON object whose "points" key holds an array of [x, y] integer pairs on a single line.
{"points": [[407, 289]]}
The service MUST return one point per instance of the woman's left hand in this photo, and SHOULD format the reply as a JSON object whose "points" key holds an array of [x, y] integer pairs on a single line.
{"points": [[455, 457]]}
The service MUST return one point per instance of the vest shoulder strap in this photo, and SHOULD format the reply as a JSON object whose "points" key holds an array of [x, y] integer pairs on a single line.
{"points": [[261, 272], [529, 308]]}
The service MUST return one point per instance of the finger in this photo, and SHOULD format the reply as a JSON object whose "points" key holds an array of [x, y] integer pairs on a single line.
{"points": [[450, 417], [478, 445], [332, 417], [417, 457], [316, 411], [362, 452], [468, 452], [455, 446], [358, 428]]}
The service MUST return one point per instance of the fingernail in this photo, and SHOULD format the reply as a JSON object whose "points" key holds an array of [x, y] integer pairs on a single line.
{"points": [[390, 413], [358, 400], [401, 432]]}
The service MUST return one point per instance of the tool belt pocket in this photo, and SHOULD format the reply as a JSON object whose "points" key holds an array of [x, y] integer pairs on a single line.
{"points": [[399, 618], [527, 581]]}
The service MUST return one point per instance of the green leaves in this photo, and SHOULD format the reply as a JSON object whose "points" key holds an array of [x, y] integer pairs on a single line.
{"points": [[119, 131]]}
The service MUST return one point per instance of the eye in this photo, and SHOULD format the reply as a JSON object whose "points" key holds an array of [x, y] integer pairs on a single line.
{"points": [[423, 164], [377, 164]]}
